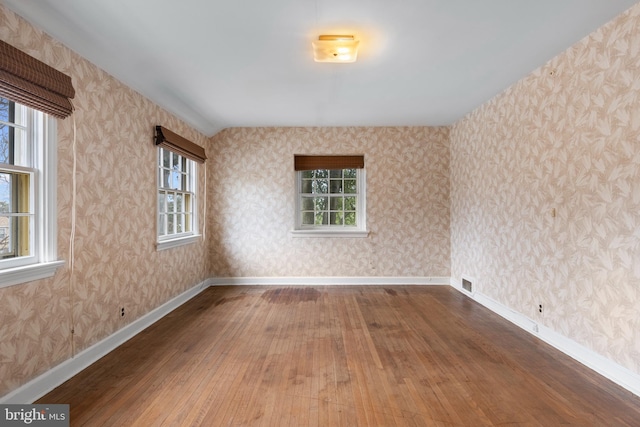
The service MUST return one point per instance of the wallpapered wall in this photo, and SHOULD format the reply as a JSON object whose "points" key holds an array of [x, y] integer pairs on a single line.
{"points": [[567, 138], [116, 263], [252, 203]]}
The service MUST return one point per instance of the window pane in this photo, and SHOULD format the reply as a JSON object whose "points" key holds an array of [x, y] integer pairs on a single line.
{"points": [[161, 228], [350, 186], [6, 106], [184, 178], [179, 203], [336, 186], [336, 203], [170, 224], [322, 218], [350, 173], [176, 181], [308, 218], [4, 144], [307, 186], [335, 173], [187, 223], [175, 161], [6, 248], [322, 203], [307, 174], [350, 203], [187, 203], [320, 187], [179, 223], [322, 173], [307, 204], [16, 232], [14, 192], [336, 218], [170, 203], [165, 178], [21, 153], [5, 192], [350, 218], [166, 158], [161, 202]]}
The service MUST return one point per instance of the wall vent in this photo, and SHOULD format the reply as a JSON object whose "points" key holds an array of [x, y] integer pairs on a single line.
{"points": [[467, 285]]}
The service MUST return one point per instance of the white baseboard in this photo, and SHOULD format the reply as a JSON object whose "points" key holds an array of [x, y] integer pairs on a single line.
{"points": [[41, 385], [46, 382], [594, 361], [318, 281]]}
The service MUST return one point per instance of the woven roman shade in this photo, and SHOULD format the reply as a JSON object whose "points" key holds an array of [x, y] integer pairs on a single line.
{"points": [[302, 163], [30, 82], [174, 142]]}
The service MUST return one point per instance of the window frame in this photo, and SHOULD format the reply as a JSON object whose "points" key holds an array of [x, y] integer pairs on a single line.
{"points": [[167, 241], [359, 230], [42, 262]]}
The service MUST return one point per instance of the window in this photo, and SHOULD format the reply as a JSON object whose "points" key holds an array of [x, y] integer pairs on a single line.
{"points": [[176, 199], [27, 194], [330, 202]]}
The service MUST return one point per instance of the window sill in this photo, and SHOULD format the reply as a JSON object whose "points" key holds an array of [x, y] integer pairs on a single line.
{"points": [[180, 241], [28, 273], [329, 233]]}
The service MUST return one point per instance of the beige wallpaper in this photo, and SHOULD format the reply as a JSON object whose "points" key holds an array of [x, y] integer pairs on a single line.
{"points": [[116, 263], [566, 138], [252, 196]]}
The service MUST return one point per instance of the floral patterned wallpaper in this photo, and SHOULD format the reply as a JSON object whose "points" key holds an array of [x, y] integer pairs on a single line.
{"points": [[116, 263], [545, 193], [252, 203]]}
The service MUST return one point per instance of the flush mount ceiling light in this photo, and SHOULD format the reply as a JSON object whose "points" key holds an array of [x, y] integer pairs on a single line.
{"points": [[329, 48]]}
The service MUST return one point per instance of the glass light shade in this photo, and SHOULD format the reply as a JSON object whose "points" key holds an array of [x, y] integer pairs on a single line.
{"points": [[335, 49]]}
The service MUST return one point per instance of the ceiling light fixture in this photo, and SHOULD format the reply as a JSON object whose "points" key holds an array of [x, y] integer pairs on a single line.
{"points": [[330, 48]]}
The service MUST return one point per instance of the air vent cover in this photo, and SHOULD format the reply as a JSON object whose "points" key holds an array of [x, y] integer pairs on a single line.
{"points": [[467, 285]]}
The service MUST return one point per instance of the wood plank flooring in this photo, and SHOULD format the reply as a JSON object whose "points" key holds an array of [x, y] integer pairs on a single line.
{"points": [[340, 356]]}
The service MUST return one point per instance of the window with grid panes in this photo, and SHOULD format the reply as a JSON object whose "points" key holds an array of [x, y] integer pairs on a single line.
{"points": [[331, 200], [176, 195], [27, 194]]}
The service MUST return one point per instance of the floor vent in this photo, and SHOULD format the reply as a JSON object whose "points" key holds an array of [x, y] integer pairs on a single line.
{"points": [[467, 285]]}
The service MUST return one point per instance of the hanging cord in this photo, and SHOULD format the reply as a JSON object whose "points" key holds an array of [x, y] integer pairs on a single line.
{"points": [[72, 238], [204, 202], [204, 227]]}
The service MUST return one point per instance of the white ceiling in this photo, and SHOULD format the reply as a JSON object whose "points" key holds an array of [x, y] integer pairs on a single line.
{"points": [[218, 64]]}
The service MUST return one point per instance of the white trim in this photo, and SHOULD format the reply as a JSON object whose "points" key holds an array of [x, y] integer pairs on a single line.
{"points": [[28, 273], [327, 232], [592, 360], [48, 191], [174, 243], [318, 281], [46, 382]]}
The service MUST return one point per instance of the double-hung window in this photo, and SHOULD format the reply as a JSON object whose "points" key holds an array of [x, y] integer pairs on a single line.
{"points": [[27, 194], [330, 199], [176, 198], [177, 181]]}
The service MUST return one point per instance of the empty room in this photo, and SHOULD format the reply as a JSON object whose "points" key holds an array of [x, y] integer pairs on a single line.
{"points": [[322, 213]]}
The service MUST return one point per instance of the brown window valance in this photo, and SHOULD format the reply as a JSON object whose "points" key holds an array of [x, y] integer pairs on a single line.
{"points": [[33, 83], [302, 162], [176, 143]]}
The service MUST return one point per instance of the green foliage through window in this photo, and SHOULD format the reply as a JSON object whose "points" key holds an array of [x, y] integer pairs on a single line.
{"points": [[329, 197]]}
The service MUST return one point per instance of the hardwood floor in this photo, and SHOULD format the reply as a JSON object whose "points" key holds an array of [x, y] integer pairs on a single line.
{"points": [[340, 356]]}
